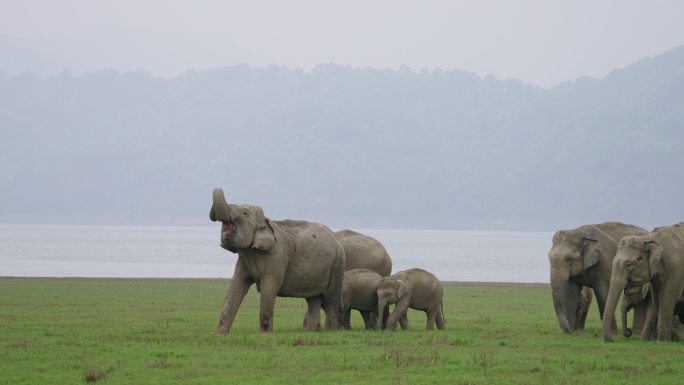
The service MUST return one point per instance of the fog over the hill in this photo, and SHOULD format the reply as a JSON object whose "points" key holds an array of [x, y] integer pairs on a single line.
{"points": [[346, 146]]}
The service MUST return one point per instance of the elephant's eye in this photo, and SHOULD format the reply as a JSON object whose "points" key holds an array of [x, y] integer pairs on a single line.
{"points": [[567, 260], [245, 213]]}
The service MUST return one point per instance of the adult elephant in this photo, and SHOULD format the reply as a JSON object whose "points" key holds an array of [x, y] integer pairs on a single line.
{"points": [[364, 252], [284, 258], [361, 252], [656, 258], [584, 257]]}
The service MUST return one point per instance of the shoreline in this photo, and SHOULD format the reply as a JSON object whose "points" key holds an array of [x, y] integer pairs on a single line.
{"points": [[465, 283]]}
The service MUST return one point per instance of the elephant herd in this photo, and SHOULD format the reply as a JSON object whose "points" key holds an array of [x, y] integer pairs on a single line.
{"points": [[645, 270], [345, 270], [333, 271]]}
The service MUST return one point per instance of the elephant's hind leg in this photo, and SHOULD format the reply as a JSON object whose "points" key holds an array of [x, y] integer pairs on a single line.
{"points": [[333, 313], [431, 316], [312, 317]]}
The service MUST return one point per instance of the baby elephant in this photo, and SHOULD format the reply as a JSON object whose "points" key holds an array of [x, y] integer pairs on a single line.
{"points": [[583, 307], [359, 292], [414, 288]]}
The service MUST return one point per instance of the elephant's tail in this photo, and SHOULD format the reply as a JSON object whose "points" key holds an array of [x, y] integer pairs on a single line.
{"points": [[441, 308]]}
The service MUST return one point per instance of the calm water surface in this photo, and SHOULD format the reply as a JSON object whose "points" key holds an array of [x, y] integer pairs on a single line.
{"points": [[193, 252]]}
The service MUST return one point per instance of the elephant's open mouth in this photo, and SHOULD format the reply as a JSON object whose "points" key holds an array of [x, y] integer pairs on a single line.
{"points": [[228, 227]]}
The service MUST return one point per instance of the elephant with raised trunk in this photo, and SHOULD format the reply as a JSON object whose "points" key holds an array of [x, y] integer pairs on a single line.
{"points": [[359, 292], [656, 258], [413, 288], [584, 257], [284, 258]]}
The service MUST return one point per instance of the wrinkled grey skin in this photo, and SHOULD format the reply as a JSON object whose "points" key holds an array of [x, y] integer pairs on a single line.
{"points": [[284, 258], [364, 252], [637, 298], [413, 288], [583, 257], [361, 252], [583, 307], [359, 292], [656, 258]]}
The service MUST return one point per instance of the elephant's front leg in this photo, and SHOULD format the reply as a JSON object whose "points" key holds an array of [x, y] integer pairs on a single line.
{"points": [[649, 327], [665, 311], [403, 322], [370, 319], [269, 290], [601, 293], [373, 320], [399, 313], [237, 290]]}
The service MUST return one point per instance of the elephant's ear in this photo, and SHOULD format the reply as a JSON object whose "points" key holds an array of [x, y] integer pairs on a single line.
{"points": [[401, 288], [655, 257], [264, 239], [591, 252]]}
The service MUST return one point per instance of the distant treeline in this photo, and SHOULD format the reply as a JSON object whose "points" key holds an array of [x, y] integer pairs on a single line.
{"points": [[346, 146]]}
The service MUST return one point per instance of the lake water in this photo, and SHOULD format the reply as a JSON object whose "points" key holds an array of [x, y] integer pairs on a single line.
{"points": [[193, 252]]}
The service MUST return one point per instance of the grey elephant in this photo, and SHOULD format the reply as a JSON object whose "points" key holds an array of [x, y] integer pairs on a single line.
{"points": [[656, 258], [361, 252], [364, 252], [583, 257], [413, 288], [583, 305], [359, 292], [284, 258], [637, 298]]}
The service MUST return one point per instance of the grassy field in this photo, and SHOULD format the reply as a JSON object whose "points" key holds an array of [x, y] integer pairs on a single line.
{"points": [[160, 331]]}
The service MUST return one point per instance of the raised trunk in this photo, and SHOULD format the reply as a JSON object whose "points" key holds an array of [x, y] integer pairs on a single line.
{"points": [[219, 208], [565, 299], [618, 282], [624, 308]]}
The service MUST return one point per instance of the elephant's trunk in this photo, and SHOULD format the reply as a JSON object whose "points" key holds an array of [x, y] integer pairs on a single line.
{"points": [[624, 308], [381, 313], [565, 298], [618, 282], [219, 209]]}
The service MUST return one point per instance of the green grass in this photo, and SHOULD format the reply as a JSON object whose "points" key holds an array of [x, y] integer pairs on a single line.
{"points": [[159, 331]]}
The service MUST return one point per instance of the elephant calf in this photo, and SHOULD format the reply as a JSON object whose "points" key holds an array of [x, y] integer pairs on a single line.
{"points": [[637, 298], [583, 307], [359, 292], [415, 289]]}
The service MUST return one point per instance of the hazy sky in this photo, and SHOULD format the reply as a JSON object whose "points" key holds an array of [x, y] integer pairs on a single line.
{"points": [[538, 41]]}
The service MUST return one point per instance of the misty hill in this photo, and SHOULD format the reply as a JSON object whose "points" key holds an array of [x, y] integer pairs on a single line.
{"points": [[346, 146]]}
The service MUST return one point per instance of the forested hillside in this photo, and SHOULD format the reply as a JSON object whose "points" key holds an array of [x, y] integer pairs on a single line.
{"points": [[349, 147]]}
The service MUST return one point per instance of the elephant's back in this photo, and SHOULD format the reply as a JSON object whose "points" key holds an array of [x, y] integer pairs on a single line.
{"points": [[618, 230], [364, 252], [427, 290]]}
